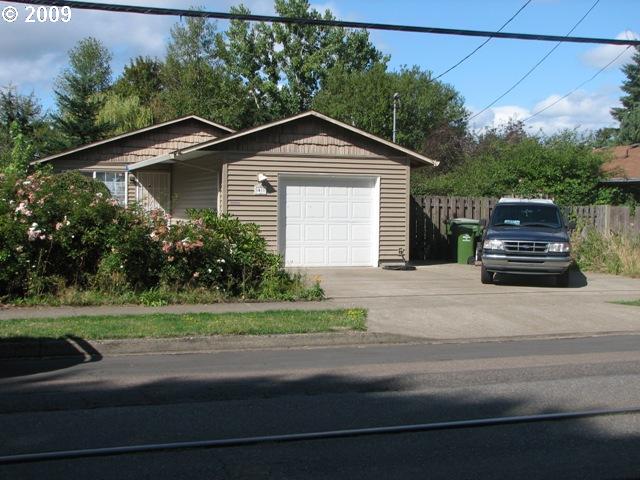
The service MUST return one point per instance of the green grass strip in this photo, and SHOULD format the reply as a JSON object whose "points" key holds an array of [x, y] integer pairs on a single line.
{"points": [[163, 325], [633, 303]]}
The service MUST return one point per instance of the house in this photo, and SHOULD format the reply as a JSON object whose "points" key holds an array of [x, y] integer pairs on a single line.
{"points": [[623, 168], [324, 193]]}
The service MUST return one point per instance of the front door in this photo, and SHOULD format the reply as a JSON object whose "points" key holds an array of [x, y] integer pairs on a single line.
{"points": [[153, 191]]}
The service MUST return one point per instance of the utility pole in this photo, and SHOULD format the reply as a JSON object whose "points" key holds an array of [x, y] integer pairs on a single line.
{"points": [[396, 96]]}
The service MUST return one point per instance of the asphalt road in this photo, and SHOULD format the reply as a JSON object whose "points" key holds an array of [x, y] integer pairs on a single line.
{"points": [[62, 404]]}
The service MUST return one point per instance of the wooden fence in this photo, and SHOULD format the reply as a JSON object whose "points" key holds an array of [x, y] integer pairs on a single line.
{"points": [[429, 214]]}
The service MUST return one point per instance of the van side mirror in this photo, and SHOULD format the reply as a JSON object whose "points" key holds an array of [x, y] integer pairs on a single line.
{"points": [[483, 222], [571, 225]]}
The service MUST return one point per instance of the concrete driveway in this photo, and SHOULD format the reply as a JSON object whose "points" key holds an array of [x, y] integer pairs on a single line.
{"points": [[448, 301]]}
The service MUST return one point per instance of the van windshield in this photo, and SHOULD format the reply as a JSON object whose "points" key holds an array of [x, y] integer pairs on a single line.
{"points": [[526, 216]]}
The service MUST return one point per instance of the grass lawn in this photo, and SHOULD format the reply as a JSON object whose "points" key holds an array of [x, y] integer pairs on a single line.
{"points": [[633, 303], [161, 325]]}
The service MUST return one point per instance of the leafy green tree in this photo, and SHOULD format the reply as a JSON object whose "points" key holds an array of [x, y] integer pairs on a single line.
{"points": [[431, 117], [16, 160], [195, 80], [77, 92], [22, 114], [631, 87], [123, 114], [284, 65], [506, 163], [630, 127], [24, 110], [141, 78]]}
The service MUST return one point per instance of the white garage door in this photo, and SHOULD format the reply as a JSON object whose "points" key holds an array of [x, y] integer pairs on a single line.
{"points": [[329, 221]]}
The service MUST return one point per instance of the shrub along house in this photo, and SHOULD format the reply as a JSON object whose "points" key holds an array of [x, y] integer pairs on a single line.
{"points": [[324, 193]]}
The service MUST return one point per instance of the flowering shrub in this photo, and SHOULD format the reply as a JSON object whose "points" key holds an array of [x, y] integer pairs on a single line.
{"points": [[65, 230], [214, 251]]}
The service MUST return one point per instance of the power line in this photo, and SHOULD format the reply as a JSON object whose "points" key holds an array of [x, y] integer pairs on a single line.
{"points": [[321, 22], [535, 114], [532, 69], [483, 43]]}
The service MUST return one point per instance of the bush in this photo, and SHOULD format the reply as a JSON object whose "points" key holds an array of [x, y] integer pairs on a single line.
{"points": [[618, 254], [64, 235], [561, 167]]}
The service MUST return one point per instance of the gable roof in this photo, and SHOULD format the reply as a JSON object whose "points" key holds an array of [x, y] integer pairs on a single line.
{"points": [[625, 164], [130, 134], [311, 113]]}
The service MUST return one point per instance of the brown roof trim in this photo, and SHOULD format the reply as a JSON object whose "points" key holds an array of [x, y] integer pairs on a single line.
{"points": [[129, 134], [310, 113]]}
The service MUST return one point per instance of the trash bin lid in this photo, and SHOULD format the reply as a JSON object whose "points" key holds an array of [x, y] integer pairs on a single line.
{"points": [[464, 221]]}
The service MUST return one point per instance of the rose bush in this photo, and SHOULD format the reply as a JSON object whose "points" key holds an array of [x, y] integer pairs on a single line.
{"points": [[65, 230]]}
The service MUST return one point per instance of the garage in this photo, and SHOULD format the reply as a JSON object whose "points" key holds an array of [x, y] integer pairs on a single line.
{"points": [[328, 221], [321, 192]]}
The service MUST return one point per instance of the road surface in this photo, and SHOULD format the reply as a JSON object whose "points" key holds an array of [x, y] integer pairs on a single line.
{"points": [[125, 400]]}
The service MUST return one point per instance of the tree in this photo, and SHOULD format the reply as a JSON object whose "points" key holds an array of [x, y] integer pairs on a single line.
{"points": [[21, 152], [284, 65], [505, 162], [631, 86], [24, 110], [431, 117], [629, 131], [123, 114], [140, 78], [195, 79], [77, 92], [22, 115]]}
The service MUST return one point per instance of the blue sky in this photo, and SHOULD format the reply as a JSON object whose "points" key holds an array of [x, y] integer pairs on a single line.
{"points": [[33, 54]]}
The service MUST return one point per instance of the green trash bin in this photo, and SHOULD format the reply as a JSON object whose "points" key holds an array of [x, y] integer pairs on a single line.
{"points": [[463, 235]]}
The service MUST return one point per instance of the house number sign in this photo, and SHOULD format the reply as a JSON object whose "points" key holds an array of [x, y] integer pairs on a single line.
{"points": [[259, 189]]}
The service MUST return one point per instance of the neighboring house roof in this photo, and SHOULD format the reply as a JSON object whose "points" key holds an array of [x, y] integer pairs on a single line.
{"points": [[625, 164], [311, 113], [130, 134]]}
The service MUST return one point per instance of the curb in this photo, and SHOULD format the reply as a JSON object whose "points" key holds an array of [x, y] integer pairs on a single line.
{"points": [[73, 346]]}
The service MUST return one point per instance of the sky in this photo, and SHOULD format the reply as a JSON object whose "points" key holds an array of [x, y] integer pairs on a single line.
{"points": [[33, 54]]}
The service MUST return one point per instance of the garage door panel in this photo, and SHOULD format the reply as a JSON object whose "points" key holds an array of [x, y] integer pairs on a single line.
{"points": [[293, 232], [314, 233], [361, 210], [294, 210], [314, 209], [338, 232], [339, 210], [329, 221], [361, 232]]}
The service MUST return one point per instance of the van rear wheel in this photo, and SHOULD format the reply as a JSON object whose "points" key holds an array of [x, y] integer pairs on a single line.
{"points": [[486, 277]]}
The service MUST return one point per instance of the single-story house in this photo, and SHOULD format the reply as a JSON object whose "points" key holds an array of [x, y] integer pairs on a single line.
{"points": [[324, 193]]}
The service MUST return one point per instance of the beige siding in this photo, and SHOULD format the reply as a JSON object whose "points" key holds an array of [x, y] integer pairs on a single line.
{"points": [[115, 155], [394, 183], [194, 185], [311, 136]]}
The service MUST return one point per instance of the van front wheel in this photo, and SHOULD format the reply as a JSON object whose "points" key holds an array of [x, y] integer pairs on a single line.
{"points": [[562, 280], [486, 277]]}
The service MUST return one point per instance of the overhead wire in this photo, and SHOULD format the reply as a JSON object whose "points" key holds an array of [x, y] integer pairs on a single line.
{"points": [[176, 12], [537, 64], [572, 91], [473, 52]]}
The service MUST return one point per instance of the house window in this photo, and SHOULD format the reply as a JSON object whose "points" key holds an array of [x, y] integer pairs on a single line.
{"points": [[115, 182]]}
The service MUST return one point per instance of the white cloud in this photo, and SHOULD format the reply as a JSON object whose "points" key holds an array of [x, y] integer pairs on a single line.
{"points": [[601, 55], [33, 54], [582, 110]]}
